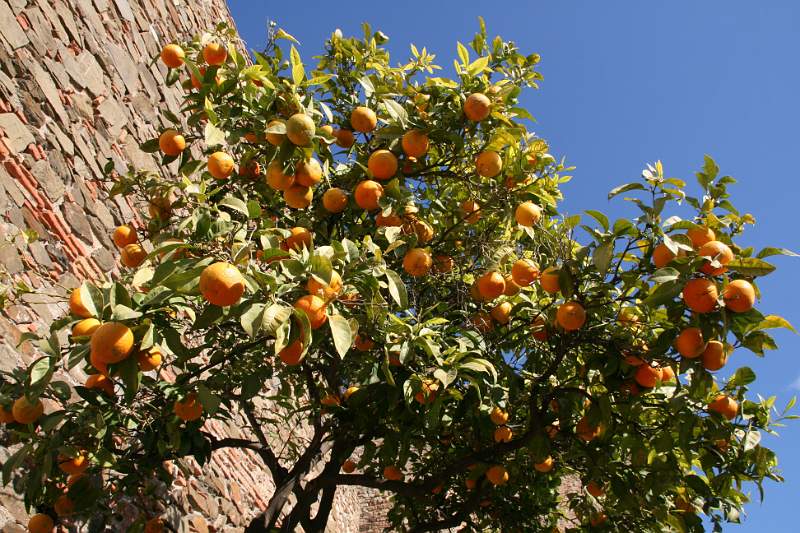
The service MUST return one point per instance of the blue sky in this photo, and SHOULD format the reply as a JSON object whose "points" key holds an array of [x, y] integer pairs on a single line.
{"points": [[626, 83]]}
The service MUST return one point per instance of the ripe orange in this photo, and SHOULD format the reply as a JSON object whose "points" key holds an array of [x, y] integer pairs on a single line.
{"points": [[330, 400], [700, 236], [724, 405], [471, 210], [497, 475], [189, 408], [415, 143], [352, 389], [250, 169], [221, 284], [662, 256], [477, 107], [524, 272], [292, 355], [739, 296], [172, 55], [667, 374], [132, 255], [367, 194], [488, 164], [482, 322], [417, 262], [348, 467], [470, 483], [329, 291], [539, 329], [715, 250], [64, 506], [714, 356], [364, 344], [300, 238], [585, 431], [85, 327], [549, 280], [26, 412], [491, 285], [40, 523], [442, 264], [334, 200], [73, 465], [160, 207], [300, 129], [98, 364], [154, 525], [171, 143], [498, 416], [363, 119], [392, 473], [214, 54], [423, 230], [99, 381], [647, 375], [308, 173], [501, 313], [391, 220], [124, 235], [111, 342], [595, 489], [503, 434], [571, 316], [527, 214], [6, 416], [220, 165], [76, 306], [344, 138], [544, 466], [382, 164], [690, 343], [298, 197], [275, 139], [427, 394], [598, 519], [700, 295], [511, 287], [149, 359], [315, 307]]}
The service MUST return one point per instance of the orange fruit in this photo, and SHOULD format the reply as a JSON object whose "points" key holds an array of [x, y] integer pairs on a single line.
{"points": [[549, 280], [308, 173], [503, 434], [132, 255], [524, 272], [221, 284], [544, 466], [189, 408], [76, 306], [363, 119], [334, 200], [427, 394], [160, 207], [64, 506], [501, 313], [348, 467], [571, 316], [470, 483], [700, 295], [585, 431], [647, 375], [220, 165], [250, 169], [171, 143], [154, 525], [423, 230], [26, 412], [329, 291], [344, 138], [298, 197], [149, 359], [491, 285], [442, 264], [124, 235], [392, 473], [700, 236], [292, 354], [595, 489], [275, 139], [40, 523], [497, 475], [172, 55], [367, 194], [111, 342], [349, 392], [477, 107], [527, 214], [300, 129], [598, 519], [214, 54], [300, 238], [662, 256], [85, 327], [540, 331], [415, 143], [6, 416], [364, 344], [99, 381], [715, 250], [276, 179], [417, 262], [471, 210], [498, 416], [315, 307], [73, 465], [739, 296], [690, 343], [98, 364], [488, 164], [482, 322], [714, 356], [391, 220], [330, 400], [724, 405], [511, 287], [382, 164]]}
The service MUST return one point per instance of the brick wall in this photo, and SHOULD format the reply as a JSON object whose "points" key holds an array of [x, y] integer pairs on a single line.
{"points": [[77, 89]]}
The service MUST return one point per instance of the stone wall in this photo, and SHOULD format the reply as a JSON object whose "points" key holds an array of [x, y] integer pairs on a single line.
{"points": [[77, 88]]}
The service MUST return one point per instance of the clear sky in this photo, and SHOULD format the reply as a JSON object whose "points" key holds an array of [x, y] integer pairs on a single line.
{"points": [[630, 82]]}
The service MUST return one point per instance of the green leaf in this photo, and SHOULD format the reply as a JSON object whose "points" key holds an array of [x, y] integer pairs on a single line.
{"points": [[91, 298], [41, 371], [274, 316], [396, 111], [743, 376], [131, 377], [298, 71], [150, 146], [397, 288], [322, 268], [775, 321], [463, 53], [750, 266], [635, 186], [663, 275], [479, 365], [253, 319], [664, 293], [599, 217], [122, 312], [281, 34], [602, 257], [767, 252], [478, 66], [208, 399], [342, 334], [236, 204], [212, 135], [14, 461]]}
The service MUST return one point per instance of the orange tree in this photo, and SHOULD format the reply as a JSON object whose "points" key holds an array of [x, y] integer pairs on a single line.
{"points": [[377, 254]]}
